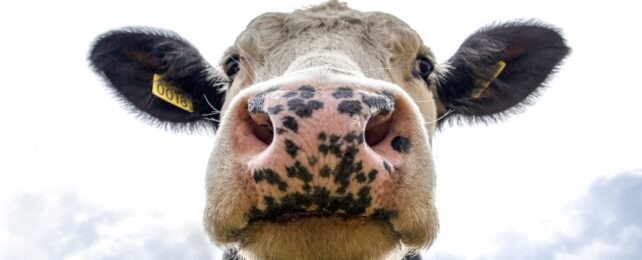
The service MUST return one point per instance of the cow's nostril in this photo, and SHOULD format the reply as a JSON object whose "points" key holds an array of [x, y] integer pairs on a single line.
{"points": [[262, 128], [377, 129]]}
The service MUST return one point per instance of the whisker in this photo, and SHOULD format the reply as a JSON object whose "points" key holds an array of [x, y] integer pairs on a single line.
{"points": [[221, 83], [214, 110], [425, 101], [382, 68], [211, 119], [441, 117]]}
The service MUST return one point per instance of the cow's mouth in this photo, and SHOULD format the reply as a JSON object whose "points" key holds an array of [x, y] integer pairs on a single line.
{"points": [[339, 208], [288, 217], [294, 216], [338, 218]]}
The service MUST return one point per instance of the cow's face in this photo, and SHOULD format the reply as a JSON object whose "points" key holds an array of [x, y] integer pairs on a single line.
{"points": [[326, 115]]}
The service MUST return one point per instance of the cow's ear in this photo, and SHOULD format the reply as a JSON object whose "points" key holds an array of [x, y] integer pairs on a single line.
{"points": [[499, 67], [160, 76]]}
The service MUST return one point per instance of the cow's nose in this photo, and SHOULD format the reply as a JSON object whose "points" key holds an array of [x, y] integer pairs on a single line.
{"points": [[337, 110], [321, 149]]}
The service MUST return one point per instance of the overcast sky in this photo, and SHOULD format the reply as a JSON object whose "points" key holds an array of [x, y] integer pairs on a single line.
{"points": [[80, 178]]}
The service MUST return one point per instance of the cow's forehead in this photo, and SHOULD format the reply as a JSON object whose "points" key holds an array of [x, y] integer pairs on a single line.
{"points": [[374, 40]]}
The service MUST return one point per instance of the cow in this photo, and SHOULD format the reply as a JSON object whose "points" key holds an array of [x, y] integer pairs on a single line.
{"points": [[324, 119]]}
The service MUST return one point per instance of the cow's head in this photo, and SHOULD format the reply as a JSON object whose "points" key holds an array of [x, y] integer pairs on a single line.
{"points": [[325, 118]]}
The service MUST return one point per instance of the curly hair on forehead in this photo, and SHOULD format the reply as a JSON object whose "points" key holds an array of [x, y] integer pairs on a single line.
{"points": [[329, 5], [378, 42]]}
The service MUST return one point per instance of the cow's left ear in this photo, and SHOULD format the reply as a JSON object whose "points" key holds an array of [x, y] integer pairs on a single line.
{"points": [[499, 67], [160, 75]]}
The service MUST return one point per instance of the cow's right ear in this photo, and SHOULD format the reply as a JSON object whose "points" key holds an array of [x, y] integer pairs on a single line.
{"points": [[160, 75]]}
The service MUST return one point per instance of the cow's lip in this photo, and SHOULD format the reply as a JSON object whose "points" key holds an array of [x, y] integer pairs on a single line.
{"points": [[287, 217], [301, 216]]}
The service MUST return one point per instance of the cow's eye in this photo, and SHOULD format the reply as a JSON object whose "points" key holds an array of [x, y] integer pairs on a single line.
{"points": [[422, 67], [231, 66]]}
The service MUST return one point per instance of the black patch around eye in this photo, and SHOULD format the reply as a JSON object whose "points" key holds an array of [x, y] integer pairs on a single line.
{"points": [[304, 109], [290, 123], [351, 107], [291, 148], [400, 144], [342, 92]]}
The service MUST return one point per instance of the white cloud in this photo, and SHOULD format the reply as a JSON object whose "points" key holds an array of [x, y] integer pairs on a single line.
{"points": [[606, 223], [603, 224], [58, 225]]}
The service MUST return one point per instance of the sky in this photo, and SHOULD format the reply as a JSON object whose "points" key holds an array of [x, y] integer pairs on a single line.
{"points": [[81, 178]]}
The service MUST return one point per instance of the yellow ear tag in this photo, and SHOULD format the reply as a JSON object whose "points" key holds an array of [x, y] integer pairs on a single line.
{"points": [[171, 94], [499, 67]]}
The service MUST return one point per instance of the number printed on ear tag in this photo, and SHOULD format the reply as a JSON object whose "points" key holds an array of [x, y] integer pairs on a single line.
{"points": [[171, 94]]}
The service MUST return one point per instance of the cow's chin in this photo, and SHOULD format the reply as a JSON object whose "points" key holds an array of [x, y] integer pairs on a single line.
{"points": [[320, 237]]}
